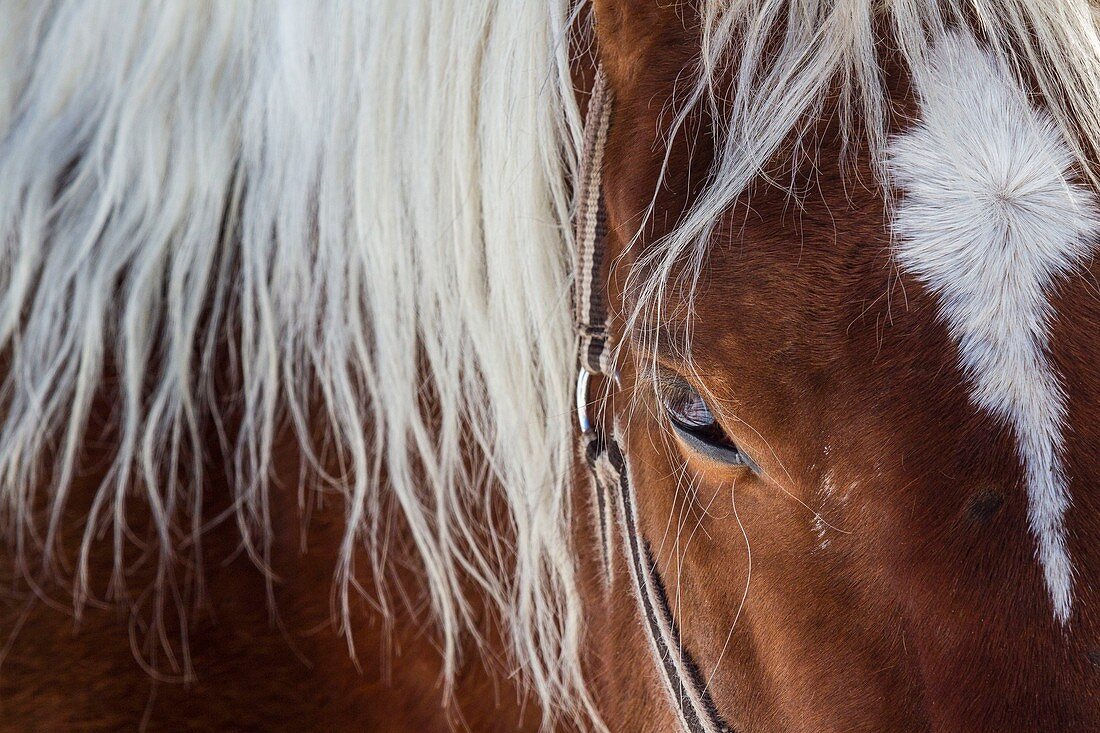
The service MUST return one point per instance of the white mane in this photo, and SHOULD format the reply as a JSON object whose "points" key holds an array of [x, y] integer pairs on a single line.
{"points": [[373, 197], [366, 205]]}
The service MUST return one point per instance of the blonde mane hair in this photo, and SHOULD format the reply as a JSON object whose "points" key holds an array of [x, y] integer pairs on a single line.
{"points": [[369, 203]]}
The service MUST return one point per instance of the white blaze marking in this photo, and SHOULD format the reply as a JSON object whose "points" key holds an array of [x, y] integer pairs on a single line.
{"points": [[990, 221]]}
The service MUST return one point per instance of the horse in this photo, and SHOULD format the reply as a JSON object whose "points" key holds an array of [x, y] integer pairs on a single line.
{"points": [[700, 365]]}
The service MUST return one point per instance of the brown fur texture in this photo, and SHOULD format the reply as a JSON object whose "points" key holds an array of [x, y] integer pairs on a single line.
{"points": [[282, 665], [893, 583]]}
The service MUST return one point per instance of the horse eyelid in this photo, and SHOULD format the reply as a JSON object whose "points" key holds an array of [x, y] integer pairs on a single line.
{"points": [[730, 456]]}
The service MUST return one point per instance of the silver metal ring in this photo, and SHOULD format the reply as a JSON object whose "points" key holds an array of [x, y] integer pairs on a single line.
{"points": [[582, 400]]}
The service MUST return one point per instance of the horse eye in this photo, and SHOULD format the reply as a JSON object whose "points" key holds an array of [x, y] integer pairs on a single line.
{"points": [[696, 426]]}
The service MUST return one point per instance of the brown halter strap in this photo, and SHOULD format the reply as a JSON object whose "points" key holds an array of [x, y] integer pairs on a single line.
{"points": [[610, 473]]}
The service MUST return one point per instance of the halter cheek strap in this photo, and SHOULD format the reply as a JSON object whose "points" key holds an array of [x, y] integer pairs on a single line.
{"points": [[610, 474]]}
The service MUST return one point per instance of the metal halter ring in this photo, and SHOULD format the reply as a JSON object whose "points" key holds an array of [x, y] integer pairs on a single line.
{"points": [[583, 378], [582, 401]]}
